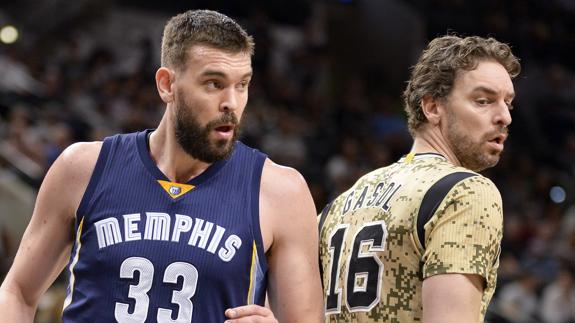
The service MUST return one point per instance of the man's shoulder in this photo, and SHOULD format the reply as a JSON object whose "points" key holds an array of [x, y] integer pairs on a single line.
{"points": [[279, 179], [77, 162], [476, 183], [449, 176], [69, 175], [462, 184], [81, 154]]}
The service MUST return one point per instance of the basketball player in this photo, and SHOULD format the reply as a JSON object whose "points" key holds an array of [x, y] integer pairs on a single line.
{"points": [[419, 240], [178, 224]]}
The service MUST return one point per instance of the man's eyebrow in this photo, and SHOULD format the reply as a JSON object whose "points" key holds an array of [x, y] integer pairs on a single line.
{"points": [[221, 74], [214, 73], [485, 89], [491, 91]]}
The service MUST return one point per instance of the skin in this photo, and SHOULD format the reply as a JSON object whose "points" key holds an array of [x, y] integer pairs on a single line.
{"points": [[477, 110], [214, 82], [468, 128]]}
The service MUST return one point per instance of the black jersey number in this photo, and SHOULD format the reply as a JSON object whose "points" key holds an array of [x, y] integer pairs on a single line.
{"points": [[364, 269], [139, 292]]}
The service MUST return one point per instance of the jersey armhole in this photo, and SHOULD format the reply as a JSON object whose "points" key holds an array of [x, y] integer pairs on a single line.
{"points": [[322, 218], [255, 207], [94, 179], [432, 199]]}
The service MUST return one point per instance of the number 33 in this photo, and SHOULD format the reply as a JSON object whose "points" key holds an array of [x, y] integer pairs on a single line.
{"points": [[140, 291]]}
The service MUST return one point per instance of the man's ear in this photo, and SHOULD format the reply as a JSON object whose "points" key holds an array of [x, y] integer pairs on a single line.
{"points": [[432, 108], [164, 82]]}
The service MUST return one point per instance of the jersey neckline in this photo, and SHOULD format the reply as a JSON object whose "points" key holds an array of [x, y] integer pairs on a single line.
{"points": [[146, 158], [418, 156]]}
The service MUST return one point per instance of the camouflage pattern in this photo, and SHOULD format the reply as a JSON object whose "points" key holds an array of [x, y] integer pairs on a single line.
{"points": [[463, 236]]}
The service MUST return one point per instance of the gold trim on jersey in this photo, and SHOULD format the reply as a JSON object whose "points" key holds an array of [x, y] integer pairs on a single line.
{"points": [[68, 299], [251, 290], [409, 157], [417, 156], [175, 190]]}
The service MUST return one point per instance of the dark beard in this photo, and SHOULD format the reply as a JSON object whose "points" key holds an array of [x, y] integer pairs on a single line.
{"points": [[195, 139], [468, 152]]}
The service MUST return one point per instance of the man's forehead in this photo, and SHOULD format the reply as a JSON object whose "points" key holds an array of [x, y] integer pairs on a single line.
{"points": [[214, 61], [489, 77], [206, 52]]}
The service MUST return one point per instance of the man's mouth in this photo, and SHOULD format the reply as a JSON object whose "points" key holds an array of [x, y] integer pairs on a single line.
{"points": [[225, 131], [224, 128], [498, 141]]}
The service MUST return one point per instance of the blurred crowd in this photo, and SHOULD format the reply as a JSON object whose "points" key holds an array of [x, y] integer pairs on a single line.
{"points": [[67, 86]]}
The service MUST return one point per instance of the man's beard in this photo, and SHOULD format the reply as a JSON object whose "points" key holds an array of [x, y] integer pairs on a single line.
{"points": [[472, 155], [195, 138]]}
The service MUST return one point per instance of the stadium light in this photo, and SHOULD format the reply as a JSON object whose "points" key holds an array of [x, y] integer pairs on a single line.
{"points": [[557, 194], [8, 34]]}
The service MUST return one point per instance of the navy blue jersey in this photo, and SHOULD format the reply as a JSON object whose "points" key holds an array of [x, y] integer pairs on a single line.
{"points": [[148, 250]]}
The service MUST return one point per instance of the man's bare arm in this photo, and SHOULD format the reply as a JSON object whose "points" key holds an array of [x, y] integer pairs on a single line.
{"points": [[295, 292], [47, 242], [452, 298], [289, 229]]}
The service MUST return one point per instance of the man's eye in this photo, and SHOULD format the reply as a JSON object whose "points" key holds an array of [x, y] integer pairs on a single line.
{"points": [[243, 85], [483, 101], [213, 85]]}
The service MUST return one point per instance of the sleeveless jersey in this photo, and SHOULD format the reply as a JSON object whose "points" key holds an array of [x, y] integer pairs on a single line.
{"points": [[400, 224], [148, 250]]}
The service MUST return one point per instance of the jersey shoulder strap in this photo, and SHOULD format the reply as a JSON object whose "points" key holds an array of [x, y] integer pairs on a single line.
{"points": [[323, 215], [433, 198]]}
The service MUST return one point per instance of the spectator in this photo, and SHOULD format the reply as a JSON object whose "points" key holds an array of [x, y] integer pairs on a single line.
{"points": [[518, 300], [558, 299]]}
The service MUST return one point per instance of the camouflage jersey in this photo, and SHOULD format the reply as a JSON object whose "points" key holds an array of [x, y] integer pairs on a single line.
{"points": [[400, 224]]}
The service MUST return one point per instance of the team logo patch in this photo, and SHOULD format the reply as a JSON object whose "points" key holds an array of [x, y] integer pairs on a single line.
{"points": [[175, 190]]}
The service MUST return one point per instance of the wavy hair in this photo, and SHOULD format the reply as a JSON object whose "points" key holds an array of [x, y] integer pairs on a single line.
{"points": [[437, 67]]}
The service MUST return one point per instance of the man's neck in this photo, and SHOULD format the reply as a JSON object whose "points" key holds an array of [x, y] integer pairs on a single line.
{"points": [[170, 158], [431, 140]]}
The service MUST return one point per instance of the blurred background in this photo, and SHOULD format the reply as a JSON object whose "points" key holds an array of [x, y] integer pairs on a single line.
{"points": [[325, 99]]}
